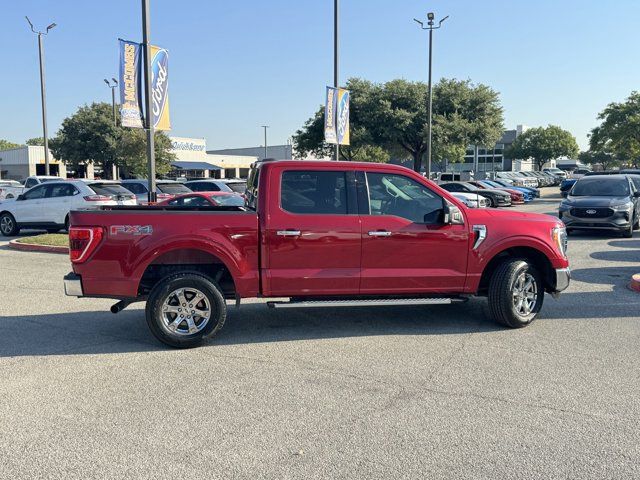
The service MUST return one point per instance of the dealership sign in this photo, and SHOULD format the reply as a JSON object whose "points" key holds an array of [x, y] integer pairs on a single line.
{"points": [[131, 89], [336, 116]]}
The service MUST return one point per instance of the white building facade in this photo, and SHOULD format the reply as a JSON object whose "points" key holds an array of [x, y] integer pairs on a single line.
{"points": [[27, 160]]}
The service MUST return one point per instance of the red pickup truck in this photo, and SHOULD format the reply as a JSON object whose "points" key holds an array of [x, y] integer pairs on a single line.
{"points": [[319, 233]]}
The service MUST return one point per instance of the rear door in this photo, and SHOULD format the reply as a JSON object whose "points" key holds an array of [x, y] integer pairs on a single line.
{"points": [[406, 248], [61, 198], [312, 233]]}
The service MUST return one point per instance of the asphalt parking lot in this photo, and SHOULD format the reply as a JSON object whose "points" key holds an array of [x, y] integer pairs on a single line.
{"points": [[403, 392]]}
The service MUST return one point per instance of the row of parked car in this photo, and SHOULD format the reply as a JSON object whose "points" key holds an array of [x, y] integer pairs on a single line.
{"points": [[45, 202], [490, 193]]}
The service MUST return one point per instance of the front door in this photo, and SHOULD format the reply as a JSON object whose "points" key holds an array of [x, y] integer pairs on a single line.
{"points": [[312, 234], [406, 248], [31, 207]]}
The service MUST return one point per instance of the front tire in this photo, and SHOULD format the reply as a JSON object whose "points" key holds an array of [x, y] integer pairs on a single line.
{"points": [[8, 225], [184, 309], [516, 293]]}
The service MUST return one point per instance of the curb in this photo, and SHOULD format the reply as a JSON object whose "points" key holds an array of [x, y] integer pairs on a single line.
{"points": [[635, 283], [31, 247]]}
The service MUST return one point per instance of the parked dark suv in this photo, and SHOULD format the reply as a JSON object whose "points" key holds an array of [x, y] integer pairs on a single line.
{"points": [[606, 202]]}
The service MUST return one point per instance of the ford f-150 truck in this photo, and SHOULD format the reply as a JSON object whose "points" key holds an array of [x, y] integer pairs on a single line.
{"points": [[317, 233]]}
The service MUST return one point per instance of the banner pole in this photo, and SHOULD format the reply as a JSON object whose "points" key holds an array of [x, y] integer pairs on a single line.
{"points": [[335, 59], [148, 118]]}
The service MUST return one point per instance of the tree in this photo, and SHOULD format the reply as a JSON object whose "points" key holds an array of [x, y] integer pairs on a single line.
{"points": [[392, 117], [619, 132], [36, 141], [90, 136], [605, 159], [542, 144], [7, 145], [310, 138]]}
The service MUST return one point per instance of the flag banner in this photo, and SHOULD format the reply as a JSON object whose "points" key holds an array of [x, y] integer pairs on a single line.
{"points": [[130, 87], [330, 135], [160, 88], [342, 116]]}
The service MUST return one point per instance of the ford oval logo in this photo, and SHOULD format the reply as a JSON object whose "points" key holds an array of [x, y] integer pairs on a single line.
{"points": [[159, 83], [591, 212]]}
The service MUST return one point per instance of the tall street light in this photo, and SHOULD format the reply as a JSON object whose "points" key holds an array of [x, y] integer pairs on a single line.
{"points": [[265, 140], [114, 168], [113, 97], [43, 94], [430, 26]]}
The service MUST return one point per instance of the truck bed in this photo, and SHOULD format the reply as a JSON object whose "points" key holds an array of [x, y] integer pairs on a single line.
{"points": [[141, 242]]}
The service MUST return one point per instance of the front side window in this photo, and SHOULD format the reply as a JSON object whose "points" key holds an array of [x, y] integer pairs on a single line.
{"points": [[314, 192], [392, 194], [36, 192]]}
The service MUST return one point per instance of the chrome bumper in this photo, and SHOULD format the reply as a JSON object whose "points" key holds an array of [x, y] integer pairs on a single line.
{"points": [[563, 278], [73, 285]]}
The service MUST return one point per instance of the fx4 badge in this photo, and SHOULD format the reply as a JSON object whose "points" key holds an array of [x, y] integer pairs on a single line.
{"points": [[130, 230]]}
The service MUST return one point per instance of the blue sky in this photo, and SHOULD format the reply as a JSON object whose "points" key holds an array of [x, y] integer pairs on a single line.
{"points": [[236, 65]]}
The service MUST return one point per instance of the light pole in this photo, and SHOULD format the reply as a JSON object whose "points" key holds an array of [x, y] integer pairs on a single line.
{"points": [[43, 94], [265, 140], [430, 26], [113, 97], [336, 10], [114, 168]]}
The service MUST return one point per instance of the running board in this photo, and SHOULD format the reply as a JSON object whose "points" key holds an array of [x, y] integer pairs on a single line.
{"points": [[365, 302]]}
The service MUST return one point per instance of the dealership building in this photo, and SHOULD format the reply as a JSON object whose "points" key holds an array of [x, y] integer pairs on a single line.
{"points": [[22, 162], [193, 161]]}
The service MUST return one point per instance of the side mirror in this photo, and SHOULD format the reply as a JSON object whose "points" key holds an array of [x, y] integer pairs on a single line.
{"points": [[451, 215], [636, 194], [20, 197]]}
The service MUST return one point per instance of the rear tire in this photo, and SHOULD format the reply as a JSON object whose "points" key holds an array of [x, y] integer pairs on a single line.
{"points": [[8, 225], [516, 293], [184, 309]]}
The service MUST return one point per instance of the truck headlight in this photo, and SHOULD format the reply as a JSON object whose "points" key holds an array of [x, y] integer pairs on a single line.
{"points": [[559, 237]]}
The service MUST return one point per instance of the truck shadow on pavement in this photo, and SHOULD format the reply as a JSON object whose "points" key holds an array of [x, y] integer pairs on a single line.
{"points": [[98, 332]]}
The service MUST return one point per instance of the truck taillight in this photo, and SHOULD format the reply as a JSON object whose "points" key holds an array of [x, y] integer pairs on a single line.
{"points": [[164, 196], [98, 198], [83, 241]]}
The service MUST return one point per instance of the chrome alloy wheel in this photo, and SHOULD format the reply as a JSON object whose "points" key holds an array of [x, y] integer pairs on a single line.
{"points": [[185, 311], [6, 224], [525, 294]]}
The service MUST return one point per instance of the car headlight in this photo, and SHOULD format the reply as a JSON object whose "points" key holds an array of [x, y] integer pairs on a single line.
{"points": [[559, 237], [623, 207]]}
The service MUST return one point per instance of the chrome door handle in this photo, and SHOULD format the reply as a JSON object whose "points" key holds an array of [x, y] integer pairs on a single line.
{"points": [[288, 233], [379, 233]]}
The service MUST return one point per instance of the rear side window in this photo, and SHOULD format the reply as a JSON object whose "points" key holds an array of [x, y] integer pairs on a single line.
{"points": [[237, 187], [173, 188], [314, 192], [61, 190]]}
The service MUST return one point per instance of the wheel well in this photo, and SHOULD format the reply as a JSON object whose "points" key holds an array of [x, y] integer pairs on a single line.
{"points": [[187, 260], [535, 257]]}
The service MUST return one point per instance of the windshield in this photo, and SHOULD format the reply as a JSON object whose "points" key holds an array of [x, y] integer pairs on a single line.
{"points": [[109, 189], [173, 188], [228, 200], [55, 179], [600, 187]]}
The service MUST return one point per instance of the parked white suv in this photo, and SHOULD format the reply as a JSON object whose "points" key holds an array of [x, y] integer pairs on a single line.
{"points": [[47, 206]]}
